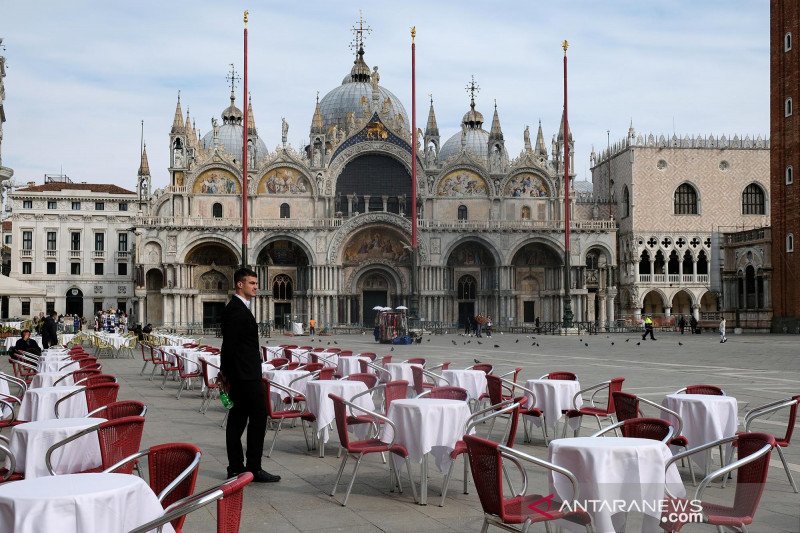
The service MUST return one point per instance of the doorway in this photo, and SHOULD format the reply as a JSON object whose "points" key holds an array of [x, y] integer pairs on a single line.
{"points": [[283, 315], [373, 299], [466, 310], [212, 313], [74, 304], [529, 312]]}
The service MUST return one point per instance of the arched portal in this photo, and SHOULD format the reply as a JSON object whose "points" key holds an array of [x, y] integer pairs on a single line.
{"points": [[537, 278], [471, 276], [367, 180], [377, 289], [212, 266], [682, 304], [284, 276], [74, 303], [653, 303], [154, 311]]}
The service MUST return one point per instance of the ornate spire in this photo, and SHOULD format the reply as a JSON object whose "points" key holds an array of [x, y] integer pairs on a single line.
{"points": [[177, 122], [541, 149], [431, 129], [561, 129], [144, 166], [232, 114], [360, 71], [496, 132], [187, 123], [251, 121], [317, 124]]}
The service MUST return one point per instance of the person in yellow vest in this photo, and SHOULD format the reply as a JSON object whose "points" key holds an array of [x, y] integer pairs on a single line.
{"points": [[312, 326], [648, 327]]}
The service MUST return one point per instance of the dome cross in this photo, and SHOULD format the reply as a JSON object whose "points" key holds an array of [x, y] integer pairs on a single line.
{"points": [[472, 88]]}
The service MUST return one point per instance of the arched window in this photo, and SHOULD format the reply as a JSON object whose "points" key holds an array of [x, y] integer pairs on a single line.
{"points": [[789, 175], [216, 210], [788, 107], [787, 41], [466, 288], [685, 200], [789, 242], [285, 211], [626, 202], [592, 260], [462, 212], [282, 287], [753, 200], [526, 212]]}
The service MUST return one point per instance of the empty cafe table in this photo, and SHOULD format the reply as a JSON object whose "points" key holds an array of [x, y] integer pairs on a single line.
{"points": [[285, 377], [553, 397], [318, 403], [473, 381], [611, 470], [48, 379], [77, 503], [706, 418], [401, 371], [30, 442], [427, 426], [352, 365], [274, 352], [39, 404]]}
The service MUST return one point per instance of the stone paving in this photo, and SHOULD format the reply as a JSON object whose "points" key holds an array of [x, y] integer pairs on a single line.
{"points": [[754, 369]]}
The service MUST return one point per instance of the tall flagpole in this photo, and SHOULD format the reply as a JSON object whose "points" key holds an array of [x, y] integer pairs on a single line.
{"points": [[414, 246], [244, 150], [567, 320]]}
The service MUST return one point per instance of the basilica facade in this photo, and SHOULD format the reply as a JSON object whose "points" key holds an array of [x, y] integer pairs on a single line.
{"points": [[330, 222]]}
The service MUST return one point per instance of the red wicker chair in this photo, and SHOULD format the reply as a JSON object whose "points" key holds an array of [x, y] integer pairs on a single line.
{"points": [[370, 380], [711, 390], [361, 448], [278, 362], [611, 386], [172, 472], [481, 366], [285, 414], [560, 374], [326, 374], [121, 409], [211, 384], [446, 393], [372, 356], [420, 385], [96, 379], [185, 372], [780, 442], [754, 450], [96, 396], [415, 361], [642, 428], [487, 461]]}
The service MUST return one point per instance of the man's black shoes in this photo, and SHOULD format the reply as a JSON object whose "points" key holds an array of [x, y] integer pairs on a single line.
{"points": [[262, 476]]}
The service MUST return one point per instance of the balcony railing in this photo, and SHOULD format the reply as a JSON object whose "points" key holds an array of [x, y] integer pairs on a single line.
{"points": [[26, 253], [688, 278], [702, 278], [99, 254], [50, 254], [123, 254], [74, 254], [659, 278], [644, 278], [674, 278]]}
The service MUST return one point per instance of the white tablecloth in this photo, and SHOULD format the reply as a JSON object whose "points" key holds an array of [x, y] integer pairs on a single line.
{"points": [[284, 377], [47, 379], [552, 396], [427, 425], [274, 352], [215, 360], [399, 371], [321, 406], [66, 337], [706, 418], [16, 324], [77, 503], [299, 355], [38, 404], [614, 468], [352, 365], [11, 341], [30, 442], [328, 358], [473, 381], [297, 328]]}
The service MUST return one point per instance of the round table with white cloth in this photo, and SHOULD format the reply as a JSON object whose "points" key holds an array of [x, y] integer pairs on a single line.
{"points": [[285, 377], [399, 371], [56, 364], [64, 338], [273, 352], [214, 359], [611, 470], [39, 404], [427, 426], [473, 381], [48, 379], [114, 339], [553, 396], [76, 503], [328, 358], [30, 442], [318, 403], [352, 365], [706, 418]]}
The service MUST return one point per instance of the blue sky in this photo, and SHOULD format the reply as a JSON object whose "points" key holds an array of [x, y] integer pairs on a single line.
{"points": [[83, 74]]}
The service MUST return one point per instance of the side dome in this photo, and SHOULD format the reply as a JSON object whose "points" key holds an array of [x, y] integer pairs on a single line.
{"points": [[231, 131], [477, 144], [354, 95]]}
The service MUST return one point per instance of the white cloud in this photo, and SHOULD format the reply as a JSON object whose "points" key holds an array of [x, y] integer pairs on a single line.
{"points": [[81, 75]]}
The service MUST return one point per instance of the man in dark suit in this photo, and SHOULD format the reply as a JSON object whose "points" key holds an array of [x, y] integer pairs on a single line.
{"points": [[241, 366], [49, 331]]}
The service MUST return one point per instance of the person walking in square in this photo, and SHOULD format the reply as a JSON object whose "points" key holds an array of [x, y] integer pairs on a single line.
{"points": [[682, 324], [241, 368], [312, 326], [722, 336], [648, 327], [49, 331], [693, 324]]}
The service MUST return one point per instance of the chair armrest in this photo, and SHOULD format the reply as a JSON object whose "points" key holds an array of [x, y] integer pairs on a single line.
{"points": [[293, 393], [730, 468], [65, 398], [180, 508], [472, 421], [612, 427], [4, 405], [676, 416], [512, 386], [703, 447], [763, 410], [12, 462], [375, 415], [126, 460], [69, 364], [181, 477], [365, 392], [64, 442], [301, 378], [509, 452], [597, 388], [435, 376]]}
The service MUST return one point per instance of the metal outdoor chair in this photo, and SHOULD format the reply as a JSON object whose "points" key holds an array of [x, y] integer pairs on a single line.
{"points": [[96, 396], [120, 409], [711, 390], [559, 374], [642, 428], [611, 386], [446, 393], [786, 439]]}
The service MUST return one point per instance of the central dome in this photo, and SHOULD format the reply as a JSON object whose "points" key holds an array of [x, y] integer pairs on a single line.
{"points": [[231, 133], [348, 97]]}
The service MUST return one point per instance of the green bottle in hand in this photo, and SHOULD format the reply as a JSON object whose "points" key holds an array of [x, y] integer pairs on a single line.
{"points": [[227, 403]]}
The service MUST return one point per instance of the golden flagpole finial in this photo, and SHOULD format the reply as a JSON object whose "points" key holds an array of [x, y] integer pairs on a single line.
{"points": [[413, 33], [246, 14], [565, 45]]}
